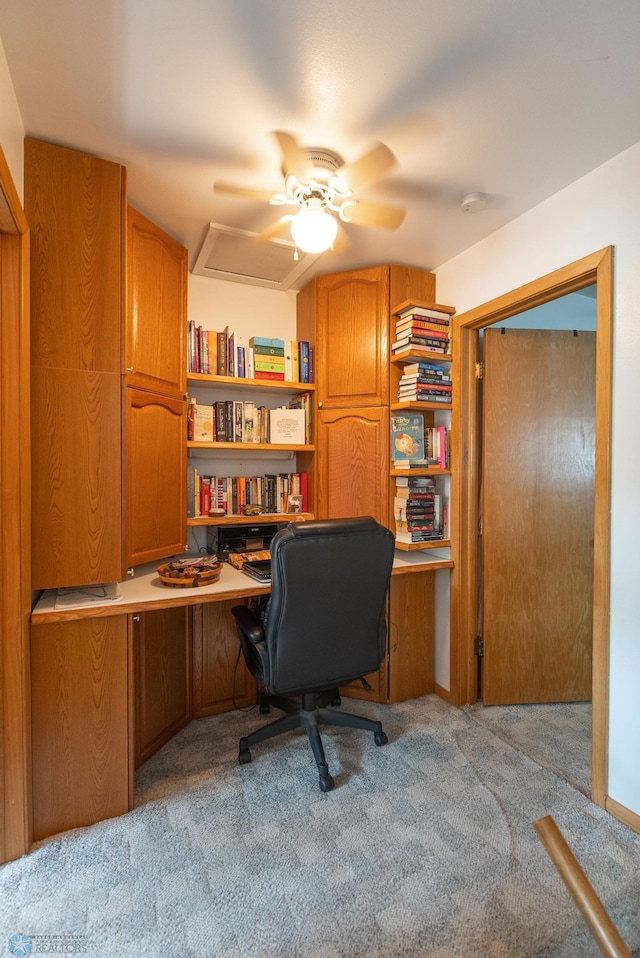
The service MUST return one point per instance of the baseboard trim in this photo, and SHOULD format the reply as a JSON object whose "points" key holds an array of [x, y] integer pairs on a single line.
{"points": [[442, 693], [623, 814]]}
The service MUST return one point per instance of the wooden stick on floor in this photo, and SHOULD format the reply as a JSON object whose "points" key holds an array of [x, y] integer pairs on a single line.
{"points": [[591, 908]]}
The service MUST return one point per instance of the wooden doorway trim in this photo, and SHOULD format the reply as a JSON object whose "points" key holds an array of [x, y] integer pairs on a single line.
{"points": [[594, 269], [15, 524]]}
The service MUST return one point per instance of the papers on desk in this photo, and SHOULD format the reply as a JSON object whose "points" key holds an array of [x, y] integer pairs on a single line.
{"points": [[81, 596]]}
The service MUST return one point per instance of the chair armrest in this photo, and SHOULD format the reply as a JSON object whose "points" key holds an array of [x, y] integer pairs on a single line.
{"points": [[249, 622]]}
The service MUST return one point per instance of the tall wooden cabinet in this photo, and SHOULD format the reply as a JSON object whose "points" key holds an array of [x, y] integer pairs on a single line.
{"points": [[346, 316], [87, 523]]}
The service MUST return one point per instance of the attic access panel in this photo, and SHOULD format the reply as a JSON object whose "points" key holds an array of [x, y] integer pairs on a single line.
{"points": [[232, 254]]}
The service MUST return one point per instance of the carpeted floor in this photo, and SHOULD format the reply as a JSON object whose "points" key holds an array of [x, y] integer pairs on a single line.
{"points": [[426, 847]]}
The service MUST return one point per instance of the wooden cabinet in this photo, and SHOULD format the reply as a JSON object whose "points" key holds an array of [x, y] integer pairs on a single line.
{"points": [[346, 316], [80, 706], [221, 681], [156, 309], [74, 206], [85, 526], [352, 463], [411, 638], [155, 476], [162, 668]]}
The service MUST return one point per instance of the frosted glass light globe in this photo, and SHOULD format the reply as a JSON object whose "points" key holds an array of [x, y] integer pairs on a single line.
{"points": [[313, 229]]}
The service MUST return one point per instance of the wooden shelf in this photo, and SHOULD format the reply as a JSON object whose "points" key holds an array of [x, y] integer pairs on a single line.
{"points": [[204, 379], [248, 446], [427, 471], [418, 405], [420, 546], [262, 518], [415, 353], [417, 304]]}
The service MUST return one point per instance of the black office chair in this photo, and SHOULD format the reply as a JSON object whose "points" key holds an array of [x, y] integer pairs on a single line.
{"points": [[324, 626]]}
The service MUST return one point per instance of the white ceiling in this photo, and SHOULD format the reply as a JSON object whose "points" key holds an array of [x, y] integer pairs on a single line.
{"points": [[514, 98]]}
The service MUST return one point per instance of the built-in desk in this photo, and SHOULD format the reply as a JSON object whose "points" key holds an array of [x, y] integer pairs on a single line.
{"points": [[102, 677]]}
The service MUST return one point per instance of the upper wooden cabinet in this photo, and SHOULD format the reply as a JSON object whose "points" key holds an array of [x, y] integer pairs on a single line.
{"points": [[156, 308], [73, 203], [155, 466], [346, 317], [85, 525], [351, 336]]}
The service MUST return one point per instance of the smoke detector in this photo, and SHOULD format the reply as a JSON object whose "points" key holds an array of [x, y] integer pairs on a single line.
{"points": [[474, 202]]}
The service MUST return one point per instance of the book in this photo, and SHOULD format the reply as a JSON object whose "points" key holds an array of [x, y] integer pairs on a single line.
{"points": [[249, 434], [287, 426], [263, 341], [435, 345], [407, 437], [422, 329], [303, 361], [238, 421], [420, 367], [260, 350], [430, 312], [221, 365], [202, 423], [273, 364]]}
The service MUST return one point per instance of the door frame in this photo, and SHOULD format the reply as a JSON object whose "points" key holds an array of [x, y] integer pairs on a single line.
{"points": [[15, 524], [597, 269]]}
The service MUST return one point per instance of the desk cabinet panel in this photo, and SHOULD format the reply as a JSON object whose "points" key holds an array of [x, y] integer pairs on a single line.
{"points": [[411, 636], [221, 681], [162, 657], [79, 721]]}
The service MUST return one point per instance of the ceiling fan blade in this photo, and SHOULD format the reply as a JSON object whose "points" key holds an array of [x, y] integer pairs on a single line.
{"points": [[364, 213], [294, 159], [276, 229], [369, 168], [261, 196]]}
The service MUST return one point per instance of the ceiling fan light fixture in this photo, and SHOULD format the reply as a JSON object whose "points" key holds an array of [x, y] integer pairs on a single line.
{"points": [[313, 229]]}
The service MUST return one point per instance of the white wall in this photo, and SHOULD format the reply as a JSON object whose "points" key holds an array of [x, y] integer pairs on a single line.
{"points": [[11, 126], [599, 210]]}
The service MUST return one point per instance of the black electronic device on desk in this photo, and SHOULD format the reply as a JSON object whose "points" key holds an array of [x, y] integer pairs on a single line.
{"points": [[222, 540], [259, 569]]}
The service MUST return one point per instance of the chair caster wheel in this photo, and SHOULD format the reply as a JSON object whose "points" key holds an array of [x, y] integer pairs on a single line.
{"points": [[380, 738], [327, 783], [264, 707], [244, 755]]}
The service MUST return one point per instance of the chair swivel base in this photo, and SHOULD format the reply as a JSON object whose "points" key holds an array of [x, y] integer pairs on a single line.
{"points": [[309, 714]]}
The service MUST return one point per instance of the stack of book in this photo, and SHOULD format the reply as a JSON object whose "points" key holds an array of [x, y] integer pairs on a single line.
{"points": [[422, 328], [268, 358], [228, 353], [285, 493], [420, 512], [424, 382]]}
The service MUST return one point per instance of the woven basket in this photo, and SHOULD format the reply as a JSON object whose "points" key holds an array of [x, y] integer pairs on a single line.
{"points": [[189, 578]]}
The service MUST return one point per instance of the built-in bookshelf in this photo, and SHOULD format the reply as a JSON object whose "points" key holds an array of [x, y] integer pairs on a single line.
{"points": [[420, 385], [270, 394]]}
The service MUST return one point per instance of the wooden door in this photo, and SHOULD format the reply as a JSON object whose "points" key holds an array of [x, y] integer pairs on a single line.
{"points": [[352, 463], [162, 657], [221, 680], [537, 515], [156, 308], [80, 700], [155, 477], [352, 344]]}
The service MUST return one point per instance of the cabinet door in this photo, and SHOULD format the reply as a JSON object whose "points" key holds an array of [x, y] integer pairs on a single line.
{"points": [[76, 478], [162, 656], [155, 477], [352, 345], [73, 202], [80, 701], [352, 463], [411, 635], [221, 681], [156, 308]]}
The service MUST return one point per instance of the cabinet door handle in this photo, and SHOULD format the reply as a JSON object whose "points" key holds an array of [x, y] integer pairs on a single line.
{"points": [[320, 405], [129, 369], [136, 618]]}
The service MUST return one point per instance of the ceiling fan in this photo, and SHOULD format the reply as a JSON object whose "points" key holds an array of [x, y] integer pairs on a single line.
{"points": [[322, 186]]}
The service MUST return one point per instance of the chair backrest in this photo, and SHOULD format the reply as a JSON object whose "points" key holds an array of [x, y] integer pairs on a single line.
{"points": [[326, 621]]}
